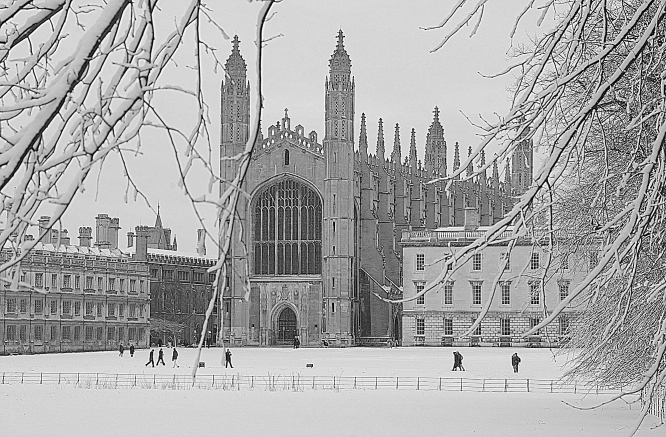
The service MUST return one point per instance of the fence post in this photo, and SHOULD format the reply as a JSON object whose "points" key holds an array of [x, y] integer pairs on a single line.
{"points": [[3, 377], [483, 386], [134, 380], [41, 377], [551, 385], [252, 380], [153, 379], [376, 379], [334, 382], [77, 378], [213, 384], [96, 378], [461, 385], [528, 385], [313, 382], [575, 387], [440, 383], [21, 377], [396, 382], [58, 378], [506, 383], [418, 382], [354, 382]]}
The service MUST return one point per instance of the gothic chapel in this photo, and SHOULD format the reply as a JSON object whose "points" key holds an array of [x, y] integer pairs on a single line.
{"points": [[321, 229]]}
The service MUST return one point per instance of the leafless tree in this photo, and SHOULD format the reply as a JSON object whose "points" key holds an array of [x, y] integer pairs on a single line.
{"points": [[590, 92], [77, 82]]}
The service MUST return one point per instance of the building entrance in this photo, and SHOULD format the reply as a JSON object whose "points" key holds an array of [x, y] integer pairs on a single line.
{"points": [[286, 327]]}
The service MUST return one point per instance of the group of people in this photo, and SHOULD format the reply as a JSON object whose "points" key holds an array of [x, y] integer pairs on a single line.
{"points": [[458, 359], [121, 349], [160, 358]]}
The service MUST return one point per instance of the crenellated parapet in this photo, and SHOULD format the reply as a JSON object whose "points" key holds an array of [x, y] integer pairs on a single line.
{"points": [[279, 133]]}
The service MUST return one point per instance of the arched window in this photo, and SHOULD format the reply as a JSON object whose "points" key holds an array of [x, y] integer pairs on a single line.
{"points": [[286, 157], [287, 230]]}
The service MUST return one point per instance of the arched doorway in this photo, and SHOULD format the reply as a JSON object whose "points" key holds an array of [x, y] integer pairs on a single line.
{"points": [[287, 328]]}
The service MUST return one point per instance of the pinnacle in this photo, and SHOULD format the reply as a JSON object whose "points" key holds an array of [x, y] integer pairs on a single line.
{"points": [[341, 36]]}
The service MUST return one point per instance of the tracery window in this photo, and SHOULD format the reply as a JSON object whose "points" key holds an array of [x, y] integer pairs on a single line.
{"points": [[287, 230]]}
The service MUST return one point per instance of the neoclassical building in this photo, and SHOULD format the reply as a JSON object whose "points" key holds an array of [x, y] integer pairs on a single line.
{"points": [[518, 286], [318, 239]]}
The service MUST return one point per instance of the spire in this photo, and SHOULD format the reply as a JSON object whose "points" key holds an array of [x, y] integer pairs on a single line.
{"points": [[507, 176], [412, 150], [380, 143], [235, 66], [483, 157], [435, 149], [396, 156], [363, 138], [456, 157], [158, 219], [470, 167], [495, 172], [340, 62]]}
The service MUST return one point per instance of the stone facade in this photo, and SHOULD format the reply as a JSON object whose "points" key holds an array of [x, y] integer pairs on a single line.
{"points": [[63, 298], [446, 313], [324, 217]]}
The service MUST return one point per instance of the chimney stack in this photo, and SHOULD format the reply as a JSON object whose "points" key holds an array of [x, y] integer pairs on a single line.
{"points": [[201, 242], [114, 227], [85, 236], [64, 237], [102, 225], [130, 239], [43, 223], [471, 219], [142, 235]]}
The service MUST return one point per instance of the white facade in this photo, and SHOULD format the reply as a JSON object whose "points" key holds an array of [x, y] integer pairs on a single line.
{"points": [[524, 291]]}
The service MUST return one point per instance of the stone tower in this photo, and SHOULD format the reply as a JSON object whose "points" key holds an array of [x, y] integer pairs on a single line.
{"points": [[435, 149], [522, 161], [338, 236], [235, 131]]}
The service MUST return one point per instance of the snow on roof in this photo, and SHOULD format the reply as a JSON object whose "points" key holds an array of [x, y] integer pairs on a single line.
{"points": [[178, 253], [80, 250]]}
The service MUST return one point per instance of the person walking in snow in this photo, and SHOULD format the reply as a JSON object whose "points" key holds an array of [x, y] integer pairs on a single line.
{"points": [[121, 349], [174, 358], [150, 358], [160, 357], [457, 361], [227, 359], [131, 350], [515, 360]]}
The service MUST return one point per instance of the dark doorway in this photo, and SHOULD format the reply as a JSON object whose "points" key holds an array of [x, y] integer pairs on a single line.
{"points": [[286, 327]]}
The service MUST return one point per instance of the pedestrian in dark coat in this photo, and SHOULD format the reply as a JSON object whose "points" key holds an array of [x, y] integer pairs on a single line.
{"points": [[227, 359], [131, 350], [515, 360], [457, 361], [150, 358], [160, 357], [460, 358], [121, 349], [174, 358]]}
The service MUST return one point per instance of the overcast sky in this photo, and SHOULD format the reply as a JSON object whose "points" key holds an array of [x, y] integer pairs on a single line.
{"points": [[397, 78]]}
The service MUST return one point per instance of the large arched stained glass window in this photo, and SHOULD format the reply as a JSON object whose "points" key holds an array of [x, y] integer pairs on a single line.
{"points": [[287, 230]]}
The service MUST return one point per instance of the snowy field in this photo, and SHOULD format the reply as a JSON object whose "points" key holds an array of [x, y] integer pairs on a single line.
{"points": [[28, 410]]}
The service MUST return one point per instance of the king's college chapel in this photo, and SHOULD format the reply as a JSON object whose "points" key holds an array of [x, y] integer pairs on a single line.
{"points": [[320, 231]]}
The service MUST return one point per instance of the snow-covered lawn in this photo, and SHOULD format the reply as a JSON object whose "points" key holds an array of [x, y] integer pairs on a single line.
{"points": [[28, 410], [435, 362]]}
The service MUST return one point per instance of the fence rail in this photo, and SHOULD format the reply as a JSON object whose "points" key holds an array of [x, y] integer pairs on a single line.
{"points": [[299, 382]]}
